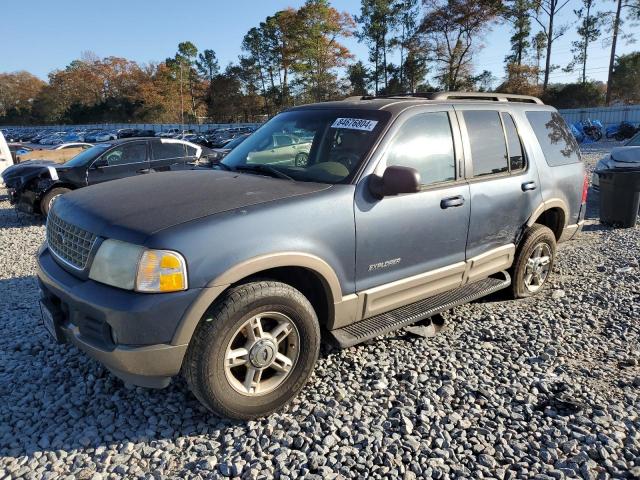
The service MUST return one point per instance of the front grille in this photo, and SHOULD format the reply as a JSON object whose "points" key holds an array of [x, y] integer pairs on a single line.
{"points": [[68, 242]]}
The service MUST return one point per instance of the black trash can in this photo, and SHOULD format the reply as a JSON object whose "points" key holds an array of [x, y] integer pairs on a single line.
{"points": [[619, 196]]}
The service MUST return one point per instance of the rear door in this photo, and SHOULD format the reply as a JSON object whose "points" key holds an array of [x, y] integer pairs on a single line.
{"points": [[504, 184], [125, 160], [168, 155]]}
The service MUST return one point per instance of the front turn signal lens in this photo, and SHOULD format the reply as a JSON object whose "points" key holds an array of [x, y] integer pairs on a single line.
{"points": [[161, 271]]}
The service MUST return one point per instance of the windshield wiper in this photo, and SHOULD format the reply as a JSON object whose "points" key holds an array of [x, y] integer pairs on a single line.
{"points": [[264, 169]]}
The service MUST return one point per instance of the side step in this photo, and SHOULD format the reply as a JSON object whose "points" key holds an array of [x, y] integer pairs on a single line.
{"points": [[401, 317]]}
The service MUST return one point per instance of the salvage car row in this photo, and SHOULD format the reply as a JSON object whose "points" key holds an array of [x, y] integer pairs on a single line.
{"points": [[212, 138], [35, 183]]}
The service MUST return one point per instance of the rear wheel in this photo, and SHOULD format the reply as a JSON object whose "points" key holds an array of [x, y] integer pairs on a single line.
{"points": [[254, 350], [534, 261], [51, 196]]}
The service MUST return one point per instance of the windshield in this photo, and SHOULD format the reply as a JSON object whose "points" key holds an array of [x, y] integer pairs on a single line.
{"points": [[87, 156], [634, 142], [325, 146]]}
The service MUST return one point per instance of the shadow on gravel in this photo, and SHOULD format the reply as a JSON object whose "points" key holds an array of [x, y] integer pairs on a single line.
{"points": [[55, 397], [11, 218]]}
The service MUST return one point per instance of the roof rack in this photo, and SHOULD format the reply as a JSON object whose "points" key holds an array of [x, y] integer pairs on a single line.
{"points": [[494, 97]]}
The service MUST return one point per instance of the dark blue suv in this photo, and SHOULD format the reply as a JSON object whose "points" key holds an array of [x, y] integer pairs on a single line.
{"points": [[355, 217]]}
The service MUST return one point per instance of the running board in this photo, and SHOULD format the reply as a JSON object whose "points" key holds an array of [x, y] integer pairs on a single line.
{"points": [[401, 317]]}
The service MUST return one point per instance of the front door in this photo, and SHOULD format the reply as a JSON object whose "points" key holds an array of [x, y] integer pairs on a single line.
{"points": [[504, 186], [412, 246], [122, 161]]}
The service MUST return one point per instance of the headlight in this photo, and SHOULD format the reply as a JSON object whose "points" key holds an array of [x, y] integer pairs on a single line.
{"points": [[133, 267], [161, 271]]}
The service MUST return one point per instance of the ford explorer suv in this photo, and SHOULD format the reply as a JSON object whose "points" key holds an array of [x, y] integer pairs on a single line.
{"points": [[403, 208], [34, 185]]}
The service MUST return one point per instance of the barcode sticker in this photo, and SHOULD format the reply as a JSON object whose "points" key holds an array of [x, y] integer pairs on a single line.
{"points": [[355, 124]]}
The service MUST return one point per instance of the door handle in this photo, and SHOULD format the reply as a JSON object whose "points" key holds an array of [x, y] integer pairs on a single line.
{"points": [[456, 201], [528, 186], [143, 170]]}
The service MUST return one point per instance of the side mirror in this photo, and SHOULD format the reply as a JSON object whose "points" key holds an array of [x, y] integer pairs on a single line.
{"points": [[394, 181]]}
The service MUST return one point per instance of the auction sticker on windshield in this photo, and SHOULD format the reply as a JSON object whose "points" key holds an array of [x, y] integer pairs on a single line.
{"points": [[355, 124]]}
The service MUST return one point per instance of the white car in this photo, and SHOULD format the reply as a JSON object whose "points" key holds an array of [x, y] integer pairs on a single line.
{"points": [[6, 160], [64, 146], [627, 156], [106, 136]]}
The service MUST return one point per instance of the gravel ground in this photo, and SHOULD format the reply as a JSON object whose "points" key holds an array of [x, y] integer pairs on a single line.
{"points": [[547, 387]]}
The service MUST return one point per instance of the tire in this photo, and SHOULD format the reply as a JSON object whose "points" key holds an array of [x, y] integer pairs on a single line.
{"points": [[49, 198], [537, 236], [217, 386]]}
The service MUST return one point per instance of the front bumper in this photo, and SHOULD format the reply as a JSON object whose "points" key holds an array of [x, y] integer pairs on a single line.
{"points": [[24, 200], [128, 332]]}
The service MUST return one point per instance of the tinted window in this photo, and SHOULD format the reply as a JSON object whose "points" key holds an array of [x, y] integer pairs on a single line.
{"points": [[488, 148], [282, 140], [425, 143], [557, 142], [165, 150], [516, 155], [191, 151], [128, 153]]}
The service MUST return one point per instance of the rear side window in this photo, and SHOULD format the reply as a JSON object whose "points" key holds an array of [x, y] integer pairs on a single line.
{"points": [[163, 151], [557, 142], [425, 143], [516, 155], [191, 151], [488, 148]]}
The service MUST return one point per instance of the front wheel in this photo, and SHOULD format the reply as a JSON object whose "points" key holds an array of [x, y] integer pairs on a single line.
{"points": [[253, 351], [51, 196], [534, 261]]}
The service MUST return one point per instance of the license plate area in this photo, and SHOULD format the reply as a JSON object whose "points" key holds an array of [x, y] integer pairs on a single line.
{"points": [[49, 320]]}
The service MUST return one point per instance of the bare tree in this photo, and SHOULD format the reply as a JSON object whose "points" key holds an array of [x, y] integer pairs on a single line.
{"points": [[453, 29]]}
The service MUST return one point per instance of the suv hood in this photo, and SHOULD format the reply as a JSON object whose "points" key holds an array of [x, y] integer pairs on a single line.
{"points": [[133, 208]]}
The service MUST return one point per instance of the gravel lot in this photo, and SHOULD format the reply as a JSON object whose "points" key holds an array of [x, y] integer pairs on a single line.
{"points": [[542, 388]]}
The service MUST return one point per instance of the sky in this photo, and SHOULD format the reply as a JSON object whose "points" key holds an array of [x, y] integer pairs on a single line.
{"points": [[41, 35]]}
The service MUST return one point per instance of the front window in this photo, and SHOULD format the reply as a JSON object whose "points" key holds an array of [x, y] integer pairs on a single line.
{"points": [[325, 146], [425, 143], [126, 154]]}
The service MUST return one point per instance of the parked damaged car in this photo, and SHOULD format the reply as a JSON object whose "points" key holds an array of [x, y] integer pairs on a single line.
{"points": [[217, 154], [34, 185]]}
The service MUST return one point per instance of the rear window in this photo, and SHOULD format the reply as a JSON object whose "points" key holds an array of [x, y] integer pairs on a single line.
{"points": [[556, 140]]}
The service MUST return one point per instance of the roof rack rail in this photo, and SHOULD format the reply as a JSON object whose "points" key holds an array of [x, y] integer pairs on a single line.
{"points": [[495, 97]]}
